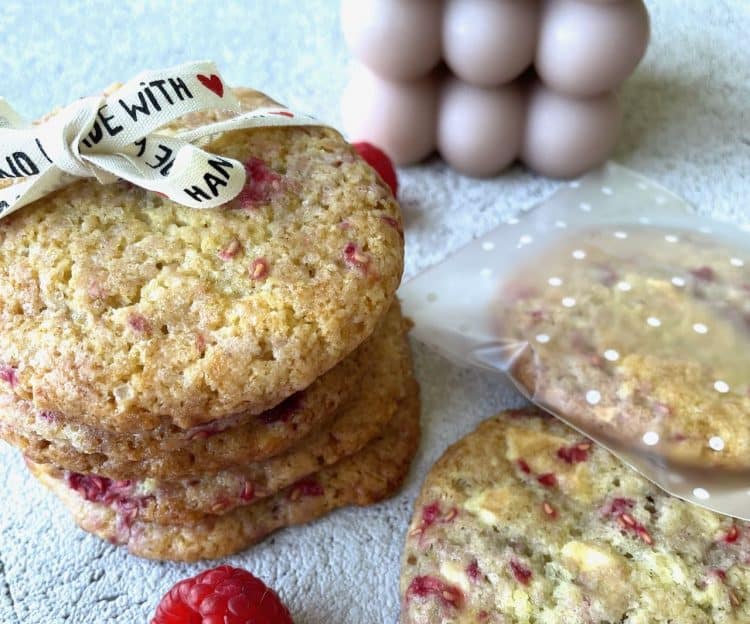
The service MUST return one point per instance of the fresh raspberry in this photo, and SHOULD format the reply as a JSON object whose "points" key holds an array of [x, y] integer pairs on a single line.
{"points": [[224, 595], [473, 572], [248, 492], [426, 586], [732, 535], [98, 489], [430, 514], [617, 506], [304, 488], [378, 160], [524, 466]]}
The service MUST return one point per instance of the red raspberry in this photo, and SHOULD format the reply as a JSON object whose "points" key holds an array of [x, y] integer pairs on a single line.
{"points": [[224, 595], [378, 160]]}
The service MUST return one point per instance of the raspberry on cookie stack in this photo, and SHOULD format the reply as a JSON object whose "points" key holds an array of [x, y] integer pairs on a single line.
{"points": [[188, 381]]}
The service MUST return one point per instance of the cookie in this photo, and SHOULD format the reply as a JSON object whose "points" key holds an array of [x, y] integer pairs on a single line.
{"points": [[525, 520], [185, 501], [646, 349], [126, 311], [362, 479], [180, 454]]}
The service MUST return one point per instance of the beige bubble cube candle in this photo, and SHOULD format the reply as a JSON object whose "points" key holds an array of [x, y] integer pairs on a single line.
{"points": [[487, 82]]}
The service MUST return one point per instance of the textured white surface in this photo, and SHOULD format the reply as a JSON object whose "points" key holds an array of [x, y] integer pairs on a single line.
{"points": [[687, 125]]}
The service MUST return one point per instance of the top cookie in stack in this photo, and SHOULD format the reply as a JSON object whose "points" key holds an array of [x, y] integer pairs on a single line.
{"points": [[126, 311], [143, 339]]}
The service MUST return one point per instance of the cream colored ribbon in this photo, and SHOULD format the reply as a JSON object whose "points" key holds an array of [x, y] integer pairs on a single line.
{"points": [[116, 137]]}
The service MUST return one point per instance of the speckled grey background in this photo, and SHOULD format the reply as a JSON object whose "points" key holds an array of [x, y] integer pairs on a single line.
{"points": [[687, 125]]}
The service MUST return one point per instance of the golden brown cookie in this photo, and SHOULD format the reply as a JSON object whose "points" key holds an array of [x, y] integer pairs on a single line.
{"points": [[49, 439], [125, 311], [362, 479], [185, 501], [527, 521], [646, 349]]}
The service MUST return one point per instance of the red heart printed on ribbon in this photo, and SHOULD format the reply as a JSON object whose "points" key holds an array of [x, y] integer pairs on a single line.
{"points": [[212, 83]]}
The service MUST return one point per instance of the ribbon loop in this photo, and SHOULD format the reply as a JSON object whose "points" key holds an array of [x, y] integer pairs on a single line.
{"points": [[116, 136]]}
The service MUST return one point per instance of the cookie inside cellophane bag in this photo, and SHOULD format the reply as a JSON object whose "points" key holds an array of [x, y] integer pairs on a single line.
{"points": [[621, 310]]}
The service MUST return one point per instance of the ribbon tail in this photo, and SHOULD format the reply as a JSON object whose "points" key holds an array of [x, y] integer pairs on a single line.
{"points": [[29, 190], [178, 170]]}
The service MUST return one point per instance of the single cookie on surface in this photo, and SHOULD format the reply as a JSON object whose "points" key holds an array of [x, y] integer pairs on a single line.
{"points": [[123, 310], [187, 500], [362, 479], [526, 521], [643, 349], [46, 438]]}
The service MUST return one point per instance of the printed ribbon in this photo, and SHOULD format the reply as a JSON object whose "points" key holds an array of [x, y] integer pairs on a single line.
{"points": [[115, 136]]}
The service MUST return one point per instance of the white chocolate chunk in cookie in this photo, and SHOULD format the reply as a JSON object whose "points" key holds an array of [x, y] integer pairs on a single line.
{"points": [[591, 559], [499, 506], [455, 574]]}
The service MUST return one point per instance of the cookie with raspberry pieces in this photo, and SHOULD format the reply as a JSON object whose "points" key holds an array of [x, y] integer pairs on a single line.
{"points": [[525, 520], [367, 477], [187, 500], [123, 310], [170, 454], [644, 349]]}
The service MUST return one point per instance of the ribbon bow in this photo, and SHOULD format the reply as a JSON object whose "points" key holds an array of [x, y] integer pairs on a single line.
{"points": [[116, 137]]}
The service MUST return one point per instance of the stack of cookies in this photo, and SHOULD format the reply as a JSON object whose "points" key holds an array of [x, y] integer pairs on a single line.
{"points": [[188, 381]]}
